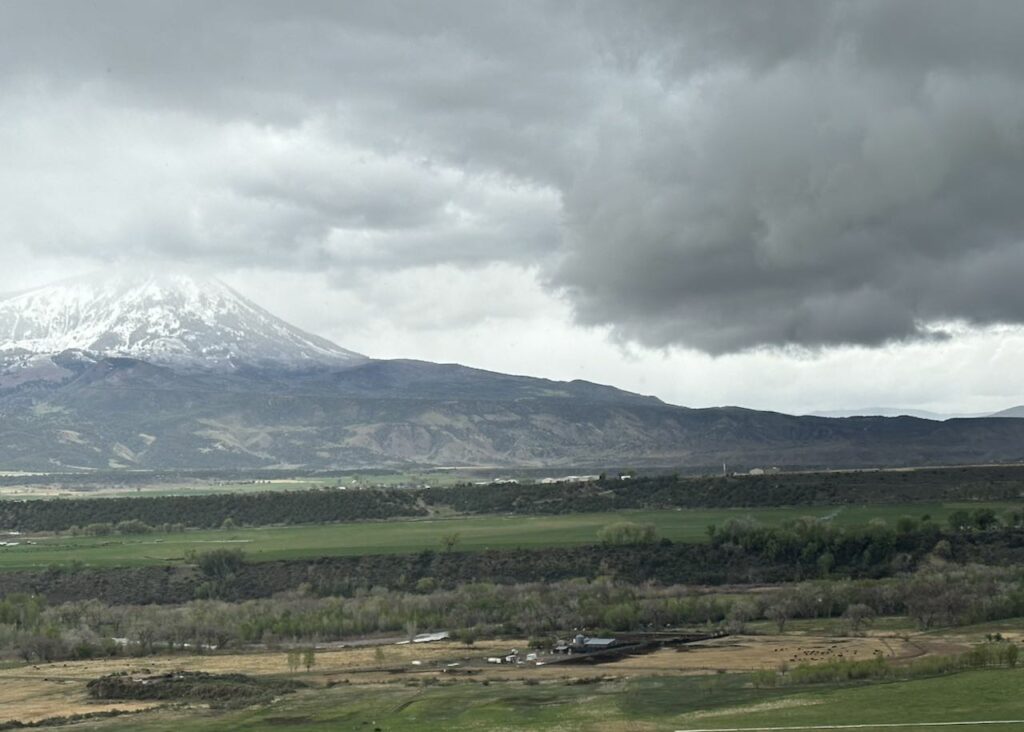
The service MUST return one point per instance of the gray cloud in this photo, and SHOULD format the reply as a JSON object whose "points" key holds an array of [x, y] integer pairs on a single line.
{"points": [[721, 175], [852, 191]]}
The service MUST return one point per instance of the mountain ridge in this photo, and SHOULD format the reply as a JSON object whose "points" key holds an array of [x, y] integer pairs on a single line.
{"points": [[1012, 412], [251, 405]]}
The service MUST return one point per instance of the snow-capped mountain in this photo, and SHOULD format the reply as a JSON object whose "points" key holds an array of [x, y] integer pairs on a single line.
{"points": [[212, 381], [174, 320]]}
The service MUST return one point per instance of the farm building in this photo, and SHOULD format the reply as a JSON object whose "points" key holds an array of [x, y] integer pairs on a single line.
{"points": [[584, 644]]}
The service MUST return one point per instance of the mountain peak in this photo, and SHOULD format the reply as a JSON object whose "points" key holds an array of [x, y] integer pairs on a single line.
{"points": [[173, 319]]}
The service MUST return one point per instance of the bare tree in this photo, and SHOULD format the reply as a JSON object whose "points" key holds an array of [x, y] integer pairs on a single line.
{"points": [[779, 612], [857, 615]]}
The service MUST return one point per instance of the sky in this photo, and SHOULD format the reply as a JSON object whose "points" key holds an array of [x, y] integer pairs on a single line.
{"points": [[795, 206]]}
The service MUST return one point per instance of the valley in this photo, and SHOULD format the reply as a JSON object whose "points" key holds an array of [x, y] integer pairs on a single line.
{"points": [[887, 612], [509, 366], [211, 519]]}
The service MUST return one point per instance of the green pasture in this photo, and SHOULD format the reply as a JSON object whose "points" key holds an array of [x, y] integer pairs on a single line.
{"points": [[669, 703], [975, 696], [392, 537]]}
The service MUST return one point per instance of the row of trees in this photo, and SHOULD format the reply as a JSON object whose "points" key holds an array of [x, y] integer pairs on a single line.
{"points": [[754, 491], [877, 548], [939, 594], [130, 526], [210, 511]]}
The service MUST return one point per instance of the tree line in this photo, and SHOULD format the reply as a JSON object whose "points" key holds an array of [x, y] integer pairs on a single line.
{"points": [[211, 511], [609, 494], [739, 552], [937, 594]]}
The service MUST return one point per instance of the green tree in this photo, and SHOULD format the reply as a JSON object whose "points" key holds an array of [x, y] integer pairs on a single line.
{"points": [[624, 533], [99, 529], [450, 541], [984, 518], [906, 524], [219, 563], [133, 526], [959, 520], [426, 585]]}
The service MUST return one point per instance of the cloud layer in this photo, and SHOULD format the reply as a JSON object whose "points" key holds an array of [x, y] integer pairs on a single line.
{"points": [[716, 175]]}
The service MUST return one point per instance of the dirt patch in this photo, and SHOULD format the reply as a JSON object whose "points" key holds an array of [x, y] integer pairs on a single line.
{"points": [[328, 663], [33, 700], [623, 725], [753, 708], [937, 647], [755, 653]]}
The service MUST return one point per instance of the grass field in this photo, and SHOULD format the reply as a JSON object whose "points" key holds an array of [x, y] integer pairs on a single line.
{"points": [[976, 695], [637, 705], [479, 532]]}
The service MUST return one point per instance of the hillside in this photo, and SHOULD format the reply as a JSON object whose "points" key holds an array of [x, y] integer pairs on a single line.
{"points": [[119, 412]]}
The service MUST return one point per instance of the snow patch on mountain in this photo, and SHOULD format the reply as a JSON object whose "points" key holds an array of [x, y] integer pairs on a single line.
{"points": [[168, 319]]}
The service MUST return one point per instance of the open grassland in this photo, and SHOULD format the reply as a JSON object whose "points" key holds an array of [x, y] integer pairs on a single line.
{"points": [[613, 704], [398, 536], [970, 696]]}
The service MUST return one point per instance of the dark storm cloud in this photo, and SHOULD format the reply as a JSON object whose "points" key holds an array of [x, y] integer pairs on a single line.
{"points": [[722, 175], [857, 181]]}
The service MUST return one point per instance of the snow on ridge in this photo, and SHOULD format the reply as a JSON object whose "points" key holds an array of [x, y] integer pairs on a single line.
{"points": [[169, 319]]}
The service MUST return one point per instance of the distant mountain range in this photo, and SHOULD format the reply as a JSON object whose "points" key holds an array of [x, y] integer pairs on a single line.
{"points": [[1012, 412], [900, 412], [177, 372]]}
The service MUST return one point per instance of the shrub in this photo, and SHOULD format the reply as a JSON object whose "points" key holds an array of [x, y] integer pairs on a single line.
{"points": [[627, 532]]}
